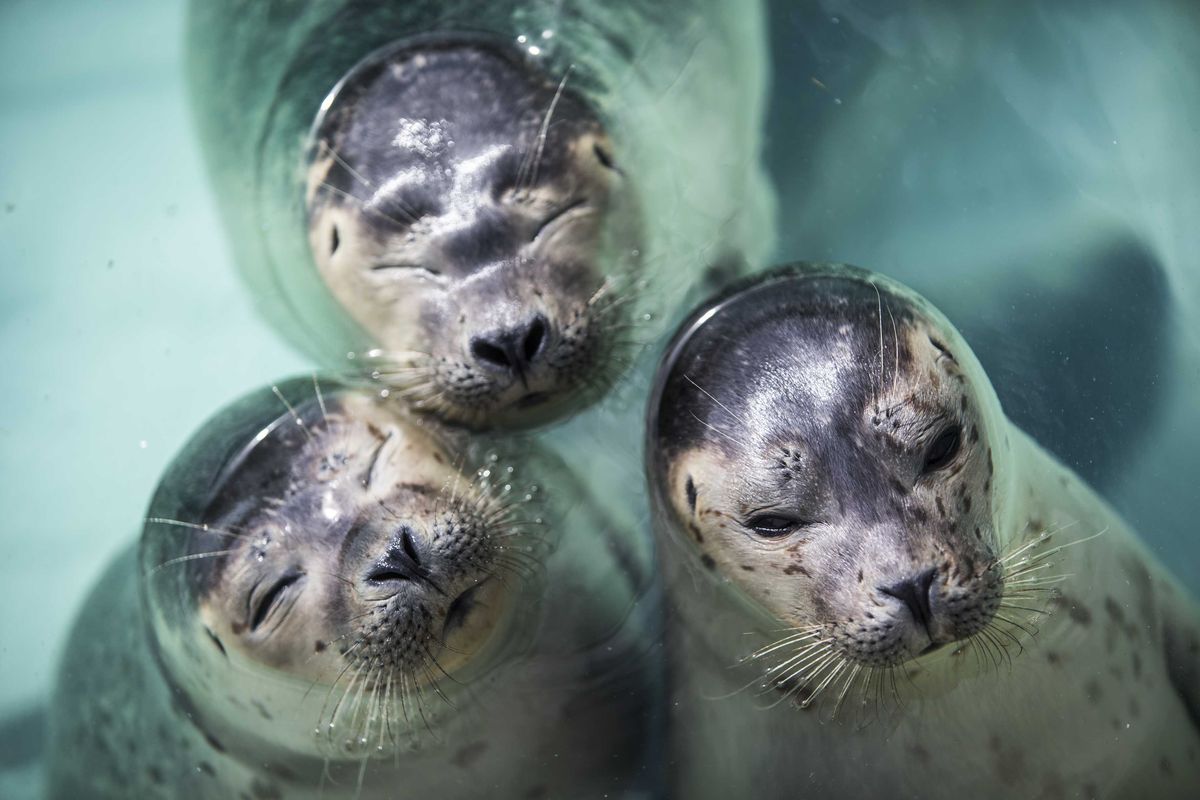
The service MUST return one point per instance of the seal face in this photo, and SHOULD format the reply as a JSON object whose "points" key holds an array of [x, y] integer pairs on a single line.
{"points": [[343, 550], [816, 441], [468, 214]]}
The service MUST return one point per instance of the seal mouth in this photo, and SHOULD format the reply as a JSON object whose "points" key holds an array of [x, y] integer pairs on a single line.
{"points": [[932, 648], [532, 399], [460, 610]]}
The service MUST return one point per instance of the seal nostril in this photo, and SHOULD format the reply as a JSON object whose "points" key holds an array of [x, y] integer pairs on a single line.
{"points": [[513, 349], [534, 338], [402, 562], [914, 593], [490, 353], [410, 546]]}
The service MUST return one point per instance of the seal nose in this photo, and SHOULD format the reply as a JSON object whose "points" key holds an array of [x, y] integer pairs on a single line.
{"points": [[512, 350], [914, 593], [402, 562]]}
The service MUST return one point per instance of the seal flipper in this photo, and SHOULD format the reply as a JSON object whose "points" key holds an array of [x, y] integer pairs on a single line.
{"points": [[1097, 347]]}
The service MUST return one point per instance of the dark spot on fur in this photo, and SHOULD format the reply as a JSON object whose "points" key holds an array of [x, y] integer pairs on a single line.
{"points": [[207, 769], [155, 775], [978, 533], [707, 561], [265, 791], [1114, 610], [919, 753], [690, 488], [1007, 762], [213, 742], [860, 576], [793, 569], [1053, 658], [1092, 690], [468, 755], [695, 529], [941, 507], [262, 710], [217, 641], [920, 515], [898, 487], [319, 646], [1077, 612], [974, 434], [966, 503], [748, 568]]}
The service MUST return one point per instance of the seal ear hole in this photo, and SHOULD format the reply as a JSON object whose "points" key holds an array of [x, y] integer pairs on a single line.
{"points": [[334, 240], [943, 450]]}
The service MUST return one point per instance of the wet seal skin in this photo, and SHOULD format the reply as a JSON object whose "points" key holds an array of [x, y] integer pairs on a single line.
{"points": [[333, 598], [882, 587], [489, 207]]}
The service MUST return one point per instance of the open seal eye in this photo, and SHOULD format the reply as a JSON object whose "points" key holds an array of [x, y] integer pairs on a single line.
{"points": [[943, 450], [773, 525]]}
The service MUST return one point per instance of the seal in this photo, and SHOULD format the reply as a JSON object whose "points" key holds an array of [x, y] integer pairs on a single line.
{"points": [[483, 203], [882, 587], [329, 600]]}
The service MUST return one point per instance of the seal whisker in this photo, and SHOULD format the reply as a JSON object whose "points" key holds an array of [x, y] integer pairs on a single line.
{"points": [[368, 207], [713, 429], [320, 398], [735, 417], [291, 410], [328, 148], [195, 526], [879, 317], [846, 689], [191, 557], [531, 168]]}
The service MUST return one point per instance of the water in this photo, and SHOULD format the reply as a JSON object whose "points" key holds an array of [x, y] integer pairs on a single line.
{"points": [[1015, 166]]}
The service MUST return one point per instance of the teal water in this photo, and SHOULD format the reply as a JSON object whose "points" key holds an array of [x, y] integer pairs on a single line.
{"points": [[1031, 171]]}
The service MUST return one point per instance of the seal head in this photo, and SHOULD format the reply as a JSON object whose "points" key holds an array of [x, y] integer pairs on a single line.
{"points": [[822, 440], [467, 212], [336, 572]]}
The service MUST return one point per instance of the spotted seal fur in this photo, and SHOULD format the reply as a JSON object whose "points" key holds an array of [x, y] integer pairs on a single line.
{"points": [[882, 587]]}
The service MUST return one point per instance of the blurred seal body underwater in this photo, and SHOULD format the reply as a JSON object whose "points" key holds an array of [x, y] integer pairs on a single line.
{"points": [[879, 585], [334, 599]]}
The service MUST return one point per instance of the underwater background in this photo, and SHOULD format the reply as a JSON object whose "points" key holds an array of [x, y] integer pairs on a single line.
{"points": [[1031, 168]]}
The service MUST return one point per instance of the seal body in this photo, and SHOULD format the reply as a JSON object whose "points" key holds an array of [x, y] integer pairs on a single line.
{"points": [[479, 200], [332, 602], [880, 586]]}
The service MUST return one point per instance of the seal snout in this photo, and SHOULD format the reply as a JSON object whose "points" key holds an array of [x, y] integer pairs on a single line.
{"points": [[401, 563], [513, 351]]}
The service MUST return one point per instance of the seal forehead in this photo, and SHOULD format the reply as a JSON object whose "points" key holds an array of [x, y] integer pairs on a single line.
{"points": [[811, 350], [415, 109]]}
